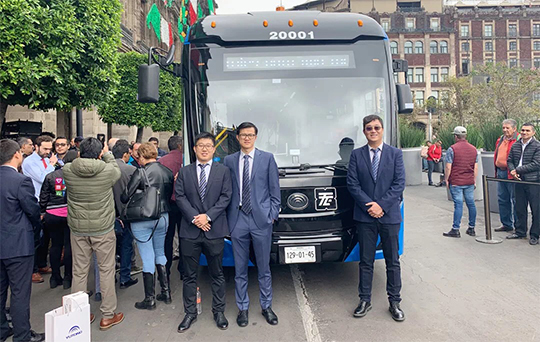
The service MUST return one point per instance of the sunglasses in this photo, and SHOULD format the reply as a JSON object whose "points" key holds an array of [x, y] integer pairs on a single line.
{"points": [[371, 128]]}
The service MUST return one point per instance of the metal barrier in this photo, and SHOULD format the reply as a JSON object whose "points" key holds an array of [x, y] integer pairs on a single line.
{"points": [[487, 214]]}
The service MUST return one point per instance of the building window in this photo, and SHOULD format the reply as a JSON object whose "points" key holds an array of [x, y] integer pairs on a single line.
{"points": [[512, 30], [385, 23], [408, 46], [443, 46], [489, 61], [464, 30], [410, 76], [434, 24], [409, 24], [419, 97], [434, 75], [489, 46], [512, 62], [396, 77], [536, 45], [465, 66], [512, 46], [488, 30], [418, 47], [536, 30], [444, 74], [537, 62], [419, 75], [394, 48], [435, 94], [433, 47], [465, 47]]}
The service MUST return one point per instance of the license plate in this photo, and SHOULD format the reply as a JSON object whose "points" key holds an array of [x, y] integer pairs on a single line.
{"points": [[295, 255]]}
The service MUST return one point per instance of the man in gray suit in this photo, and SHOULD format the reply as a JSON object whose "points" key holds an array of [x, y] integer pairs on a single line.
{"points": [[125, 241]]}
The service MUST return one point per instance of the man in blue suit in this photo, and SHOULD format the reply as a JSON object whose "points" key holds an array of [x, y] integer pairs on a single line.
{"points": [[253, 210], [376, 181], [19, 222]]}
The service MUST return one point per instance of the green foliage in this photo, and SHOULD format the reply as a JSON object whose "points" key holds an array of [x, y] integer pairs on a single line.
{"points": [[474, 136], [490, 132], [58, 53], [124, 109], [410, 136], [446, 136]]}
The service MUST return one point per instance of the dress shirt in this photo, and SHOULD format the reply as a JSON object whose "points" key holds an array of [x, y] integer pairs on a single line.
{"points": [[34, 168], [13, 167], [523, 145], [241, 169], [206, 171], [371, 154]]}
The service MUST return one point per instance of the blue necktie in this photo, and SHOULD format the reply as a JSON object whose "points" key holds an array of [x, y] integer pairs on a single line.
{"points": [[202, 182], [375, 163], [246, 187]]}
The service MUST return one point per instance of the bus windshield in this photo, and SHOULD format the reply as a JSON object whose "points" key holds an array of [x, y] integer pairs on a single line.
{"points": [[308, 102]]}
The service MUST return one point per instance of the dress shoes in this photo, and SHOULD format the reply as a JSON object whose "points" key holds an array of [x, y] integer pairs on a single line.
{"points": [[396, 312], [45, 270], [453, 233], [271, 317], [515, 236], [92, 318], [504, 229], [221, 321], [97, 297], [37, 278], [107, 323], [533, 241], [8, 334], [187, 322], [362, 309], [242, 320], [54, 283], [36, 337], [66, 283], [129, 283], [471, 232]]}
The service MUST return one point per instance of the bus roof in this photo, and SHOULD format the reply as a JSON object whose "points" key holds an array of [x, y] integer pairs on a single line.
{"points": [[265, 28]]}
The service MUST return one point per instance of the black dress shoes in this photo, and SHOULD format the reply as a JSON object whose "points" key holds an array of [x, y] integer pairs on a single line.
{"points": [[515, 236], [8, 334], [396, 312], [504, 229], [362, 309], [221, 321], [471, 232], [187, 322], [130, 282], [271, 317], [242, 320], [454, 233]]}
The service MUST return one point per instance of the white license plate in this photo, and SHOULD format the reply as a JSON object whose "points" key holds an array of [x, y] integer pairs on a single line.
{"points": [[295, 255]]}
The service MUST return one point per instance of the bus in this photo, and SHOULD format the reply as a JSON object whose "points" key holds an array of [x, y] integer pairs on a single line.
{"points": [[306, 79]]}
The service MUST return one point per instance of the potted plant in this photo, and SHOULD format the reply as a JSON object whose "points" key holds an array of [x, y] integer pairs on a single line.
{"points": [[411, 139]]}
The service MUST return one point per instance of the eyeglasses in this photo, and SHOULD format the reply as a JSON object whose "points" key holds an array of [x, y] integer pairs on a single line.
{"points": [[248, 136], [60, 145], [371, 128], [207, 146]]}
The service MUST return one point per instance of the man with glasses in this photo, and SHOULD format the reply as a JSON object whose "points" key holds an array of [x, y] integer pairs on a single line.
{"points": [[61, 147], [376, 181], [253, 210], [203, 191], [524, 165]]}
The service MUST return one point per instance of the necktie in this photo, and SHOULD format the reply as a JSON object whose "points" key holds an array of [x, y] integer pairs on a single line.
{"points": [[44, 163], [202, 182], [246, 187], [375, 163]]}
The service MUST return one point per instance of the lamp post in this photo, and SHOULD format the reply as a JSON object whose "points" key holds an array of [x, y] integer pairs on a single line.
{"points": [[431, 104]]}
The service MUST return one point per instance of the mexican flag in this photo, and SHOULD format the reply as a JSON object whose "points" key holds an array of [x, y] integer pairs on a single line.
{"points": [[166, 32]]}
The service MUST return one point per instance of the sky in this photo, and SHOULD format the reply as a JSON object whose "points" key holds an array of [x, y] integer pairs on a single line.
{"points": [[244, 6]]}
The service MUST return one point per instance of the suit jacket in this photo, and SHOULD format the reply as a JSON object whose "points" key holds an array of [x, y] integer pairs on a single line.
{"points": [[387, 191], [20, 215], [126, 171], [218, 197], [265, 192]]}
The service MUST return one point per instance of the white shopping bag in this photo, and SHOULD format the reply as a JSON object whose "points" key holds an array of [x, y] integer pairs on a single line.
{"points": [[71, 322]]}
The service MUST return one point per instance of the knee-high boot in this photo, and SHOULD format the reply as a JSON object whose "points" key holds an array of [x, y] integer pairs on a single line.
{"points": [[149, 302], [165, 295]]}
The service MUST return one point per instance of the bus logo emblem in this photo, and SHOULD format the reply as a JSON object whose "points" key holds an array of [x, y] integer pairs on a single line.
{"points": [[325, 199]]}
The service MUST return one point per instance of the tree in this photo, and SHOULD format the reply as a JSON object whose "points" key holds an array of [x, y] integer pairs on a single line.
{"points": [[57, 53], [456, 106], [124, 109]]}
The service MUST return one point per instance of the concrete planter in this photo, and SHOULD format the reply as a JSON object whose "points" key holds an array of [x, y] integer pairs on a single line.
{"points": [[413, 165], [489, 170]]}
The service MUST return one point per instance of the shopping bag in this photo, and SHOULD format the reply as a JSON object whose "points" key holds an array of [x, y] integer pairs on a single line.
{"points": [[70, 322]]}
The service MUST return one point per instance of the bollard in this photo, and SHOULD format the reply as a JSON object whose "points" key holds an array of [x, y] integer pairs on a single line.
{"points": [[487, 214]]}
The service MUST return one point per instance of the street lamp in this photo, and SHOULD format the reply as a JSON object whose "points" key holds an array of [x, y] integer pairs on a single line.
{"points": [[431, 108]]}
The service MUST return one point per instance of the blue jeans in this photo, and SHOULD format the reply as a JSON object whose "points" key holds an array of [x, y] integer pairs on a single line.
{"points": [[125, 252], [96, 273], [458, 192], [152, 252], [507, 200]]}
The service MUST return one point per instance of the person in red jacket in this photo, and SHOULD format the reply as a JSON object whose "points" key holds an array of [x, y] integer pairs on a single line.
{"points": [[505, 191], [434, 157]]}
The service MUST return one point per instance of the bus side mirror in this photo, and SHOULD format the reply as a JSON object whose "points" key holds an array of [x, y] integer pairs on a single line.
{"points": [[405, 100], [148, 83]]}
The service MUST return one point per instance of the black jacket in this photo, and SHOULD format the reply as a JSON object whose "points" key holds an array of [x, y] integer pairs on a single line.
{"points": [[53, 191], [159, 176], [529, 171]]}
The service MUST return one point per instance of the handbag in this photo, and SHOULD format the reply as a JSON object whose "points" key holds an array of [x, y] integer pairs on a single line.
{"points": [[144, 205]]}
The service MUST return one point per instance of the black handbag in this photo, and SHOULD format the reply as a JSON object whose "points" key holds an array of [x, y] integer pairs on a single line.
{"points": [[144, 205]]}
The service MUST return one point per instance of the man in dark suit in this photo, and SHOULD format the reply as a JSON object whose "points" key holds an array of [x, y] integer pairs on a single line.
{"points": [[20, 220], [253, 210], [376, 181], [203, 191]]}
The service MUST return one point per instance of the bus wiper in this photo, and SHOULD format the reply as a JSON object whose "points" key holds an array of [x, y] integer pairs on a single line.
{"points": [[307, 166]]}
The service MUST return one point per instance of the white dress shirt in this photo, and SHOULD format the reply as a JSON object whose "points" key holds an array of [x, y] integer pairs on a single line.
{"points": [[372, 154], [523, 145], [206, 171], [241, 169]]}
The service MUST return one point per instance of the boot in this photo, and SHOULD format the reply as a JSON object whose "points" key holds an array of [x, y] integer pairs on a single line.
{"points": [[165, 295], [149, 302]]}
